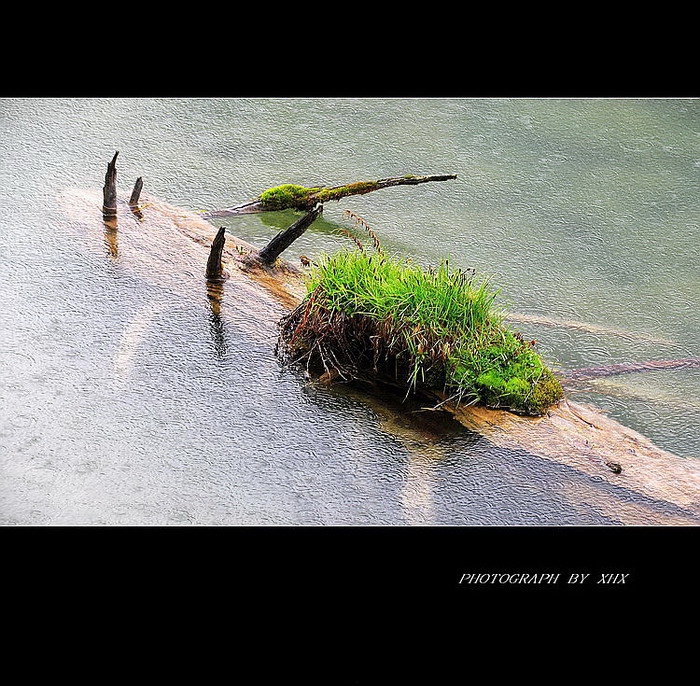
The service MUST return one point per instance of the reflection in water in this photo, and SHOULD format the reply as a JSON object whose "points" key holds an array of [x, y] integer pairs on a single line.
{"points": [[132, 336], [215, 295], [425, 435], [452, 475], [417, 491], [111, 236], [420, 434]]}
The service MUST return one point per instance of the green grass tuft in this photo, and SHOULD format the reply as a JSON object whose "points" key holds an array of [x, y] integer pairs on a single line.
{"points": [[432, 328]]}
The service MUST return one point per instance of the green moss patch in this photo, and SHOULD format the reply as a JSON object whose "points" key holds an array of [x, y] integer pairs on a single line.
{"points": [[291, 196], [368, 315], [286, 196]]}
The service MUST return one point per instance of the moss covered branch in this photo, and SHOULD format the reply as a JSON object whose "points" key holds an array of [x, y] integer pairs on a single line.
{"points": [[291, 196]]}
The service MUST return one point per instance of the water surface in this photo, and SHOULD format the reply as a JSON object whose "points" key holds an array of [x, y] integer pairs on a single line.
{"points": [[120, 403]]}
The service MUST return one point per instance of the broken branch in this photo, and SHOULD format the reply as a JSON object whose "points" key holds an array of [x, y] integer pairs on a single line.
{"points": [[285, 238]]}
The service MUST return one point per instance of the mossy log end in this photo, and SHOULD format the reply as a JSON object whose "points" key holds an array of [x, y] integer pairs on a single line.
{"points": [[291, 196]]}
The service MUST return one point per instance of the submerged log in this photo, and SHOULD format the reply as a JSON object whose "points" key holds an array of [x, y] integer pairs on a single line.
{"points": [[109, 190], [641, 482], [290, 196], [628, 367]]}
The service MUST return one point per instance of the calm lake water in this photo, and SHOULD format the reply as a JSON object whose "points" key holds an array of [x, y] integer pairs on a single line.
{"points": [[581, 210]]}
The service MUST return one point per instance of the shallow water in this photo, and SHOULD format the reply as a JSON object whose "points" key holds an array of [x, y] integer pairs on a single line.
{"points": [[122, 403]]}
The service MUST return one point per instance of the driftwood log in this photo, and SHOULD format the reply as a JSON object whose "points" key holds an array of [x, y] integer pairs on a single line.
{"points": [[321, 194]]}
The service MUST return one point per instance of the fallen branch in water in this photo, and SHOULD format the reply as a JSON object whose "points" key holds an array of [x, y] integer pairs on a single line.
{"points": [[285, 238], [290, 196], [587, 327]]}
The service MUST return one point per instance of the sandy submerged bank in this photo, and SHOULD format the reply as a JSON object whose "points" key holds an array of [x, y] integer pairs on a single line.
{"points": [[169, 246]]}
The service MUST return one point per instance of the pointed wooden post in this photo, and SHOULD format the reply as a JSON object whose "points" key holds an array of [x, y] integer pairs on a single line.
{"points": [[109, 190], [134, 199], [215, 270], [136, 193]]}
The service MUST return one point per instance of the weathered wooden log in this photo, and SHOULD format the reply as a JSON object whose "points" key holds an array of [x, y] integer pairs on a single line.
{"points": [[109, 190], [285, 238], [301, 198], [215, 270]]}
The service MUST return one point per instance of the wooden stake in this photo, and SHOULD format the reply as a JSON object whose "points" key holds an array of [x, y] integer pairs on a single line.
{"points": [[135, 194], [215, 270], [109, 190]]}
